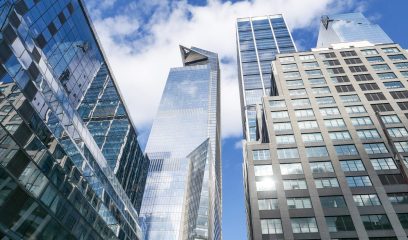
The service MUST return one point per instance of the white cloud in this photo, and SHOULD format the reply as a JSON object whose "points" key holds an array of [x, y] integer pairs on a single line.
{"points": [[141, 64]]}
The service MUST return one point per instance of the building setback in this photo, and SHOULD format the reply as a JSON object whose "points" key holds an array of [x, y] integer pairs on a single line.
{"points": [[183, 189], [70, 166], [324, 166]]}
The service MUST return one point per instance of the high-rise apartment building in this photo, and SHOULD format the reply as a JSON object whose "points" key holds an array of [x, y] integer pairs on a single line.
{"points": [[349, 27], [182, 199], [70, 165], [329, 160], [259, 39]]}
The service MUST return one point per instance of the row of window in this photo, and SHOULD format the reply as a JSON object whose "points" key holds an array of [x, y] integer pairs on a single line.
{"points": [[334, 224]]}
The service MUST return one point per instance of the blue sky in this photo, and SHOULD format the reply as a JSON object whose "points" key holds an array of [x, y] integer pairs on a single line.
{"points": [[141, 41]]}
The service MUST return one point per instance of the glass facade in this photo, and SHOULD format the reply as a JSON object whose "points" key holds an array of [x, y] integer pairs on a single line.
{"points": [[259, 39], [349, 27], [70, 165], [183, 189]]}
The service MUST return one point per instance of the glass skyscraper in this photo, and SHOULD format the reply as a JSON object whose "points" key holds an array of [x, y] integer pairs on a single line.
{"points": [[70, 165], [182, 199], [349, 27], [331, 159], [259, 39]]}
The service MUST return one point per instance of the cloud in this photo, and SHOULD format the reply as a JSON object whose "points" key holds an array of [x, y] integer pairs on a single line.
{"points": [[141, 41]]}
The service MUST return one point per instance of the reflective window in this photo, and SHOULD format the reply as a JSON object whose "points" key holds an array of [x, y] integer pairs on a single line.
{"points": [[321, 167], [285, 139], [366, 200], [397, 57], [304, 113], [307, 125], [300, 102], [265, 185], [294, 83], [368, 134], [312, 137], [268, 204], [376, 222], [307, 57], [361, 121], [332, 201], [297, 92], [292, 66], [271, 226], [316, 81], [375, 59], [390, 50], [334, 123], [352, 165], [291, 168], [369, 52], [398, 198], [291, 75], [263, 170], [326, 183], [316, 152], [329, 111], [288, 153], [340, 223], [325, 100], [280, 114], [397, 132], [312, 73], [304, 225], [299, 203], [383, 164], [388, 75], [401, 146], [375, 148], [277, 104], [358, 181], [282, 126], [390, 119], [261, 154], [320, 90], [293, 184], [340, 135]]}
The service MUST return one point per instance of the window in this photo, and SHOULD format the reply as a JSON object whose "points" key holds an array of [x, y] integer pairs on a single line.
{"points": [[390, 50], [286, 59], [358, 181], [301, 102], [361, 121], [360, 68], [368, 134], [398, 198], [355, 109], [304, 113], [291, 75], [375, 96], [353, 61], [328, 55], [393, 85], [326, 183], [399, 94], [348, 53], [345, 88], [294, 184], [310, 65], [403, 217], [288, 67], [352, 165], [381, 67], [307, 125], [279, 114], [375, 59], [333, 71], [334, 123], [382, 107], [268, 204], [312, 73], [403, 65], [263, 170], [291, 168], [288, 153], [366, 200], [285, 126], [369, 86], [332, 202], [367, 52], [306, 57], [401, 146], [383, 164], [321, 167], [312, 137], [329, 63], [297, 92], [285, 139], [299, 203], [341, 135], [316, 81], [277, 104], [404, 74], [403, 105], [325, 100], [320, 90], [363, 77], [339, 79], [316, 152], [271, 226], [294, 83], [376, 222], [388, 75], [398, 132], [397, 57], [340, 223], [375, 148], [345, 150], [391, 179], [261, 155], [304, 225], [329, 111], [390, 119], [265, 185], [350, 98]]}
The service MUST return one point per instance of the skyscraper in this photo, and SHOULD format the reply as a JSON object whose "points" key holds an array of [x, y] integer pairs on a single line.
{"points": [[70, 164], [259, 39], [349, 27], [182, 199], [330, 160]]}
